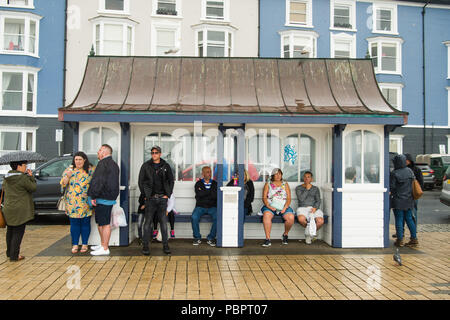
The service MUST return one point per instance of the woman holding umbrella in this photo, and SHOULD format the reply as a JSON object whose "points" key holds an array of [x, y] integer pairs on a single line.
{"points": [[18, 207]]}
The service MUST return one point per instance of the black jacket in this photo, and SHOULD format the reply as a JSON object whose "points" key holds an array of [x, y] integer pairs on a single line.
{"points": [[401, 180], [147, 176], [206, 198], [249, 194], [105, 183], [417, 172]]}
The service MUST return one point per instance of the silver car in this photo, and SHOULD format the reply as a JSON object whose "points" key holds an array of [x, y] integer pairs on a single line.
{"points": [[445, 194]]}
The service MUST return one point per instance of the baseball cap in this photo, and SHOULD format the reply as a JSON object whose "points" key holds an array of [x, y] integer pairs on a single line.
{"points": [[157, 148]]}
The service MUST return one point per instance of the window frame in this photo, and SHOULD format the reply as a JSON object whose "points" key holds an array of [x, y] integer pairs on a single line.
{"points": [[228, 49], [178, 9], [4, 3], [312, 39], [111, 21], [394, 15], [343, 38], [125, 11], [394, 86], [27, 17], [399, 139], [447, 43], [226, 12], [377, 131], [24, 131], [349, 3], [175, 27], [380, 41], [309, 15], [25, 71]]}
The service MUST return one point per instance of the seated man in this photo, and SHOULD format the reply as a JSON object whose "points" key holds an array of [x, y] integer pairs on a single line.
{"points": [[206, 197], [308, 203]]}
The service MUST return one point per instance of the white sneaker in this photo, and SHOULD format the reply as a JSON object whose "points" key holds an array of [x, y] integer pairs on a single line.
{"points": [[308, 240], [100, 252], [95, 248]]}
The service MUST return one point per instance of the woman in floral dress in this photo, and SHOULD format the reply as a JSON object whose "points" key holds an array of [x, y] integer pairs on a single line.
{"points": [[77, 179]]}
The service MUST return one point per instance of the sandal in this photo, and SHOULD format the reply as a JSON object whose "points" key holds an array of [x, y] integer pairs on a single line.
{"points": [[84, 249], [74, 249]]}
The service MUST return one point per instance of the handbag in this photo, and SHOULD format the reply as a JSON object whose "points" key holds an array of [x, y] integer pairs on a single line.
{"points": [[416, 189], [278, 204], [2, 218], [62, 202]]}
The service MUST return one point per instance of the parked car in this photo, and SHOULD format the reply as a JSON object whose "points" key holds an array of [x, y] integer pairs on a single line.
{"points": [[438, 162], [48, 176], [445, 193], [429, 179]]}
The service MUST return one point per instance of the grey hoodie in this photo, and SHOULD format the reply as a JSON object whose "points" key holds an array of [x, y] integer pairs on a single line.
{"points": [[401, 179]]}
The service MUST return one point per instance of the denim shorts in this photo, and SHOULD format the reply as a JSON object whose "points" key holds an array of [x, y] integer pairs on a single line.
{"points": [[103, 214], [277, 213]]}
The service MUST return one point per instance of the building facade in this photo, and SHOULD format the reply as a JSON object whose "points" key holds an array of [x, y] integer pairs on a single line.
{"points": [[31, 69], [407, 41]]}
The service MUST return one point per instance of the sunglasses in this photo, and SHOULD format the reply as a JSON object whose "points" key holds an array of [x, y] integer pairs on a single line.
{"points": [[155, 152]]}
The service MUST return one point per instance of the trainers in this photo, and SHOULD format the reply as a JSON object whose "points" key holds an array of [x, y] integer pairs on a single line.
{"points": [[197, 242], [95, 248], [267, 243], [285, 239], [308, 240], [412, 243], [172, 234], [100, 252], [155, 234], [212, 242]]}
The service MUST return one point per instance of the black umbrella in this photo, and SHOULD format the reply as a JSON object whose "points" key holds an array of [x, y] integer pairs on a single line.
{"points": [[18, 156]]}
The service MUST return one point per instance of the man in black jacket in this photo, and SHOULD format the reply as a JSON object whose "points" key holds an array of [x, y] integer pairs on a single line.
{"points": [[156, 183], [103, 191], [419, 177], [206, 196]]}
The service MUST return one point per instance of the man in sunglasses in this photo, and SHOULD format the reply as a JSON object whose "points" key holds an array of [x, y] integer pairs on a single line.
{"points": [[156, 183]]}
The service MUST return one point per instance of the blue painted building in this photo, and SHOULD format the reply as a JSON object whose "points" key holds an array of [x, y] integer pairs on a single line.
{"points": [[32, 75], [409, 42]]}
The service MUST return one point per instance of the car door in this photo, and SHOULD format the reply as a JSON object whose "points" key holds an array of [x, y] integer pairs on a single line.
{"points": [[48, 188]]}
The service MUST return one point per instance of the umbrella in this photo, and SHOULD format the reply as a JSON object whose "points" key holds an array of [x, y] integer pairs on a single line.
{"points": [[17, 156]]}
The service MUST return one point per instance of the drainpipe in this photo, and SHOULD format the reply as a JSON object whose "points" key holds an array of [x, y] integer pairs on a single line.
{"points": [[259, 26], [64, 70], [423, 74]]}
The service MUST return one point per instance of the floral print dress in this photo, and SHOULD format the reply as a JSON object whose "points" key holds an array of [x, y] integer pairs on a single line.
{"points": [[77, 205]]}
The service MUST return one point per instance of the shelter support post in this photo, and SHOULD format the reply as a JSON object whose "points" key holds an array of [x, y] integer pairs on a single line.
{"points": [[337, 183], [125, 143]]}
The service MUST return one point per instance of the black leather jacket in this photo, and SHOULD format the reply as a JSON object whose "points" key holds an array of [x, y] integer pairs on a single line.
{"points": [[401, 180], [105, 183], [147, 175]]}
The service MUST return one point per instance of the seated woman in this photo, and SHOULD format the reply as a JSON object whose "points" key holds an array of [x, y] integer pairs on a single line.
{"points": [[308, 203], [277, 198], [249, 192]]}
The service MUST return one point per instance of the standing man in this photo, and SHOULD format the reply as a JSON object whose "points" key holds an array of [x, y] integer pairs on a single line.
{"points": [[156, 183], [419, 177], [103, 192], [206, 196]]}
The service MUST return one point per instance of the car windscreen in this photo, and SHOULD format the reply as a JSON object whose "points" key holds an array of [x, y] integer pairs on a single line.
{"points": [[446, 160]]}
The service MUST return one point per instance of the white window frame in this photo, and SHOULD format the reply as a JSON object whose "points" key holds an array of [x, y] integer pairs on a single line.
{"points": [[23, 131], [309, 17], [4, 3], [125, 11], [348, 3], [389, 41], [291, 34], [399, 139], [204, 28], [24, 71], [448, 108], [125, 23], [175, 27], [27, 17], [447, 43], [226, 12], [394, 86], [178, 8], [394, 22], [343, 38]]}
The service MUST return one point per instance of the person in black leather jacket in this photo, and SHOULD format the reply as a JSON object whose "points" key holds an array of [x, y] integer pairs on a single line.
{"points": [[402, 201]]}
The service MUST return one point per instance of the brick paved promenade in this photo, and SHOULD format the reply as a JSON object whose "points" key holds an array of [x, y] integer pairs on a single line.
{"points": [[313, 273]]}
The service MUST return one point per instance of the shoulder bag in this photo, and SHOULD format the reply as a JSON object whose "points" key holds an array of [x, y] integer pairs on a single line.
{"points": [[417, 190], [2, 219]]}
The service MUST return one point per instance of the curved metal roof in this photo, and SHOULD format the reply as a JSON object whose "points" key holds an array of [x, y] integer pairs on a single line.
{"points": [[230, 85]]}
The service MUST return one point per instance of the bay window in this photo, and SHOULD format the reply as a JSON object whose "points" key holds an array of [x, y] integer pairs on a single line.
{"points": [[113, 37], [386, 54], [298, 44], [214, 42], [20, 33], [18, 89]]}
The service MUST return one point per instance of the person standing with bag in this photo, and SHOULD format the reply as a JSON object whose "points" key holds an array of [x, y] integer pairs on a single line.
{"points": [[402, 201], [18, 208], [156, 182], [75, 181], [103, 191]]}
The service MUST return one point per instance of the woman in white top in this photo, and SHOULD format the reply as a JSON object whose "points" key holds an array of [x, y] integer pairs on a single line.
{"points": [[277, 198]]}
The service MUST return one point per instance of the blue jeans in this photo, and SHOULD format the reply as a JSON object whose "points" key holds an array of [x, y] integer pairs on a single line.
{"points": [[195, 220], [80, 226], [400, 216]]}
